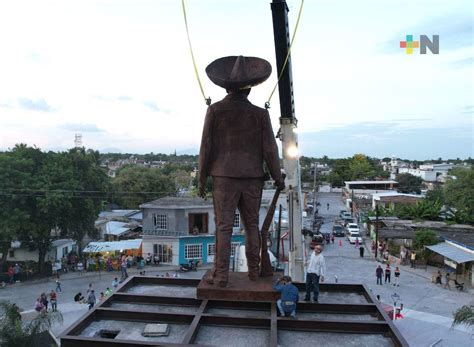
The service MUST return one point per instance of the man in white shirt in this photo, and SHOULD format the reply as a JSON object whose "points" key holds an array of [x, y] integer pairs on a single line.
{"points": [[315, 272]]}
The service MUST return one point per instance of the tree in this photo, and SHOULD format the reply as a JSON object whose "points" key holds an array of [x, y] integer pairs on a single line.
{"points": [[459, 191], [424, 237], [360, 167], [423, 209], [408, 183], [14, 333], [135, 185], [464, 315]]}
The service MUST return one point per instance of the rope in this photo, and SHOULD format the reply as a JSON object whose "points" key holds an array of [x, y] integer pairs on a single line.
{"points": [[267, 104], [207, 100]]}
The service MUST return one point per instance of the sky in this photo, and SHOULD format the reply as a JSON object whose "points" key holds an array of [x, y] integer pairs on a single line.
{"points": [[120, 73]]}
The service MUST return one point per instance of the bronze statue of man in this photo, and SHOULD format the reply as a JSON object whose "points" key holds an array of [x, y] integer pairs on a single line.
{"points": [[236, 141]]}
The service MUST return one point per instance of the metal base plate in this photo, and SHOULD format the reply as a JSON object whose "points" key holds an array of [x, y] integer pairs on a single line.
{"points": [[239, 288]]}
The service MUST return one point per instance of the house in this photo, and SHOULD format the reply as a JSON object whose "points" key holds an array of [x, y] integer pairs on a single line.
{"points": [[117, 225], [391, 199], [20, 252], [179, 229]]}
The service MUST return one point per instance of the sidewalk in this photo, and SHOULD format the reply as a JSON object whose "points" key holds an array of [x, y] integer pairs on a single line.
{"points": [[424, 273]]}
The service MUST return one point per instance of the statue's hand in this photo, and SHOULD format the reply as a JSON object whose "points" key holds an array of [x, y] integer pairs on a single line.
{"points": [[280, 185], [202, 190]]}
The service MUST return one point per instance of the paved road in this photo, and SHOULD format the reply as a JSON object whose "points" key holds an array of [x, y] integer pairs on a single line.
{"points": [[428, 308]]}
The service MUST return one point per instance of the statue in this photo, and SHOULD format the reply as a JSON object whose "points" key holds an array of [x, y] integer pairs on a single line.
{"points": [[236, 141]]}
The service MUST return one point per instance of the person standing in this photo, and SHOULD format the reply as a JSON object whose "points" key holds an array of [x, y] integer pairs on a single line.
{"points": [[357, 242], [16, 273], [361, 251], [91, 300], [413, 259], [315, 272], [378, 274], [388, 273], [44, 300], [446, 284], [11, 274], [54, 300], [438, 278], [289, 296], [237, 139], [58, 285], [397, 276]]}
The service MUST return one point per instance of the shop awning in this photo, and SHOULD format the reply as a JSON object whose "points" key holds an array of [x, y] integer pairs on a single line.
{"points": [[452, 252], [112, 246]]}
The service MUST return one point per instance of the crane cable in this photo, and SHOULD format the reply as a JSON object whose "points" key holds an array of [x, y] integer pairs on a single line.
{"points": [[267, 104], [208, 99]]}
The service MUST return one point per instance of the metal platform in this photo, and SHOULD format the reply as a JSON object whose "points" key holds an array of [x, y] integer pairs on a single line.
{"points": [[193, 321]]}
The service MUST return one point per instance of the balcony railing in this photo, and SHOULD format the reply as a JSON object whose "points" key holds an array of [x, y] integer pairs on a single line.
{"points": [[163, 232]]}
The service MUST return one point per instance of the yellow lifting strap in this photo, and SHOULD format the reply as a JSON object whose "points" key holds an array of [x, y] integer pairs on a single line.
{"points": [[207, 100], [267, 104]]}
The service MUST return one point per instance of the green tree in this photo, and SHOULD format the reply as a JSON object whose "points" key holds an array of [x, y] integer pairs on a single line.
{"points": [[422, 210], [360, 168], [407, 183], [459, 192], [424, 237], [135, 185], [15, 333]]}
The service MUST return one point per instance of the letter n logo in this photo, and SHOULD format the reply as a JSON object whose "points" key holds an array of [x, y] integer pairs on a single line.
{"points": [[425, 42]]}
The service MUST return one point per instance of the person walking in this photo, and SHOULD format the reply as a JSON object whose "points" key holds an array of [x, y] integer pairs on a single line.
{"points": [[58, 285], [16, 273], [378, 274], [446, 284], [91, 300], [316, 270], [397, 277], [357, 242], [54, 300], [413, 259], [438, 278], [388, 272], [361, 251], [289, 296]]}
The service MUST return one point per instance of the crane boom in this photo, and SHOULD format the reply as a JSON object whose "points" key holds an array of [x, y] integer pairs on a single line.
{"points": [[289, 138]]}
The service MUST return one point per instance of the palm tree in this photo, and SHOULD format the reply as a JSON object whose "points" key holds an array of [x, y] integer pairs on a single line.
{"points": [[464, 315], [15, 333]]}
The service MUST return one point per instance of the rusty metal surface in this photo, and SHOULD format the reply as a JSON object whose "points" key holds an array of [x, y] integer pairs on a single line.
{"points": [[240, 288], [204, 318]]}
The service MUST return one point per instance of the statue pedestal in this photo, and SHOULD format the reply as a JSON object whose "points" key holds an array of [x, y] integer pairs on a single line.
{"points": [[240, 288]]}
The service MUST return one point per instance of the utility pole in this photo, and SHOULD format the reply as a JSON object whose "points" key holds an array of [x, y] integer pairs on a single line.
{"points": [[376, 229], [314, 186], [289, 138]]}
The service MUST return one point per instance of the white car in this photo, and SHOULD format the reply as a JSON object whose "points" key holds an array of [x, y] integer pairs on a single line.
{"points": [[353, 236], [352, 227]]}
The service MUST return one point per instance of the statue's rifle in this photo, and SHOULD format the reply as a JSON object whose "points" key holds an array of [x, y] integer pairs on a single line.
{"points": [[265, 264]]}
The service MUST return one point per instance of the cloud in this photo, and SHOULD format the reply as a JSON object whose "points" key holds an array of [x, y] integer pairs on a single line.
{"points": [[467, 62], [34, 105], [468, 109], [113, 98], [387, 138], [154, 107], [124, 98], [81, 127]]}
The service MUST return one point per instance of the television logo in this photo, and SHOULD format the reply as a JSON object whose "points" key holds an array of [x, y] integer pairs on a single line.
{"points": [[425, 42]]}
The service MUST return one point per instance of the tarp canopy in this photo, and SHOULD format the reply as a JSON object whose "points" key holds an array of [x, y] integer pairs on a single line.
{"points": [[112, 246], [457, 254]]}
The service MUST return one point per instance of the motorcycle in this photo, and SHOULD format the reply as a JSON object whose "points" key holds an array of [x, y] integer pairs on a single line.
{"points": [[191, 266]]}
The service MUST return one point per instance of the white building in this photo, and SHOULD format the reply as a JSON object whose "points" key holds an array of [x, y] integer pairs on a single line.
{"points": [[59, 248]]}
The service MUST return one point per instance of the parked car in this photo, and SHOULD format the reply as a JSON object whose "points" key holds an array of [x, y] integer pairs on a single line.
{"points": [[352, 227], [338, 230], [353, 236], [344, 213]]}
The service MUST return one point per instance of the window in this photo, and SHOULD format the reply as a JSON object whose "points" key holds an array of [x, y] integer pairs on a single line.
{"points": [[193, 251], [65, 251], [211, 249], [160, 221], [233, 246], [11, 253], [164, 252], [237, 220]]}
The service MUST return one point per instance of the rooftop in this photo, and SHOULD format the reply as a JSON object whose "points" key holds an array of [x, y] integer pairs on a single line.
{"points": [[186, 202]]}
